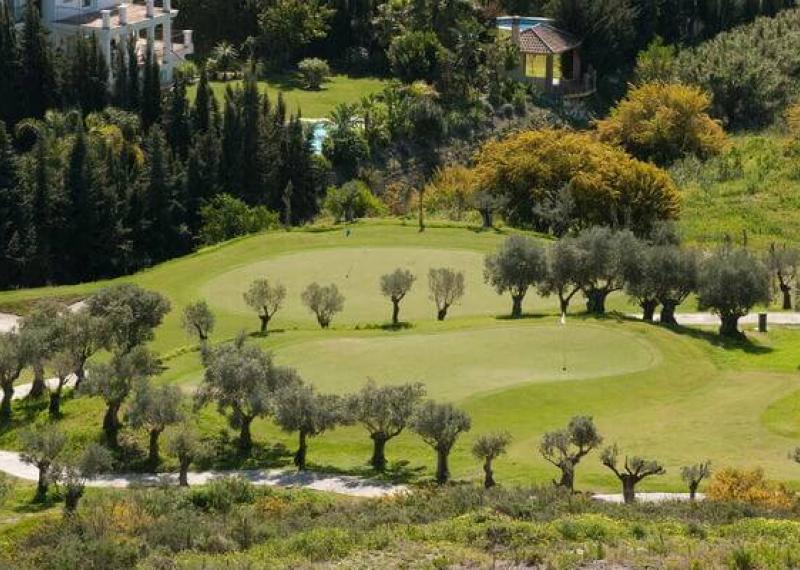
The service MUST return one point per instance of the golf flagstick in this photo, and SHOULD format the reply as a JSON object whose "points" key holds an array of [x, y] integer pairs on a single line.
{"points": [[563, 344]]}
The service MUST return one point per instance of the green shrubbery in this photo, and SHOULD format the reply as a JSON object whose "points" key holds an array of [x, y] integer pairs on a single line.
{"points": [[226, 217]]}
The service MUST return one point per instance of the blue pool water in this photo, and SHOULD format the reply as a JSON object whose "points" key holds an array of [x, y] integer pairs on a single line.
{"points": [[525, 22], [319, 132]]}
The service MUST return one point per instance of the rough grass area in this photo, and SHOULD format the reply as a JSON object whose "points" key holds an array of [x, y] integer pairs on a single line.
{"points": [[312, 104], [753, 188], [231, 525]]}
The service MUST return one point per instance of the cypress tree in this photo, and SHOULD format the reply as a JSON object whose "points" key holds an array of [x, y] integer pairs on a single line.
{"points": [[252, 138], [150, 107], [203, 103], [37, 79], [134, 83], [80, 217], [176, 118], [230, 172], [202, 176], [9, 66], [297, 160], [10, 212]]}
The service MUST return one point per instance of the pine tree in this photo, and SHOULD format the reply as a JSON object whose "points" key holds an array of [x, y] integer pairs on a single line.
{"points": [[9, 66], [37, 79]]}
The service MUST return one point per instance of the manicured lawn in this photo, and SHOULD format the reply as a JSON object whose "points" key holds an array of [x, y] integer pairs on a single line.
{"points": [[678, 396], [312, 104]]}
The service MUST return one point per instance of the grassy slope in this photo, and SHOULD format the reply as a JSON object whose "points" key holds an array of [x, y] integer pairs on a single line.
{"points": [[312, 104], [678, 397], [754, 189]]}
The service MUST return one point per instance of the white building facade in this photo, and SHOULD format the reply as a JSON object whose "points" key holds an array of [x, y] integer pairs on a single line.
{"points": [[114, 22]]}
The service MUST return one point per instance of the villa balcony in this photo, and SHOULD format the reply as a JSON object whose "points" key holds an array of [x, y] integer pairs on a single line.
{"points": [[119, 15]]}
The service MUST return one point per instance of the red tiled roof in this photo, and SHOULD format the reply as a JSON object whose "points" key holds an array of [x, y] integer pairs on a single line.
{"points": [[544, 39]]}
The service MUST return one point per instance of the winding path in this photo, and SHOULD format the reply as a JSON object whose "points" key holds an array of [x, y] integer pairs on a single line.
{"points": [[12, 464], [709, 319]]}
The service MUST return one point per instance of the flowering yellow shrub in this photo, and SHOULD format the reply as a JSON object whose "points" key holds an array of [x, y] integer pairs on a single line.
{"points": [[751, 487], [663, 122]]}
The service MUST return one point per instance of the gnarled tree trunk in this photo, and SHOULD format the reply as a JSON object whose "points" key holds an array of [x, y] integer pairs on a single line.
{"points": [[153, 455], [730, 326], [442, 468], [488, 478], [395, 312], [378, 460], [596, 301], [516, 306], [302, 451], [668, 313], [111, 424], [629, 490], [442, 313], [183, 475], [245, 437], [786, 292], [38, 386], [648, 309], [5, 406]]}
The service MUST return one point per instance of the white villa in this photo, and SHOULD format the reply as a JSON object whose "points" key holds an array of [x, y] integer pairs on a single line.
{"points": [[113, 22]]}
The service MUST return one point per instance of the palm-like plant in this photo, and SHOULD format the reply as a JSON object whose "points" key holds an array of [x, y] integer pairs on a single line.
{"points": [[224, 59]]}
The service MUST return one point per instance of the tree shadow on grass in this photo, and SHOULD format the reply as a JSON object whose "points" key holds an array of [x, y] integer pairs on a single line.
{"points": [[742, 343], [523, 318], [226, 455], [396, 473], [386, 326], [286, 82]]}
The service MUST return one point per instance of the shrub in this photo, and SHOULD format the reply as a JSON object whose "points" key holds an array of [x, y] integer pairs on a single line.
{"points": [[664, 122], [352, 200], [222, 494], [750, 487], [315, 72], [416, 55], [226, 217], [608, 186]]}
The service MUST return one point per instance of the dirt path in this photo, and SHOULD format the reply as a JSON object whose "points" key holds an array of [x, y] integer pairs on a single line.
{"points": [[12, 464], [708, 319]]}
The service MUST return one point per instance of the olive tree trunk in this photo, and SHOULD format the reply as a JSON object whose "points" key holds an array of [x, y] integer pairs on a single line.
{"points": [[648, 309], [72, 497], [567, 480], [111, 424], [54, 409], [183, 474], [5, 406], [693, 490], [41, 484], [442, 313], [264, 324], [629, 490], [378, 460], [302, 451], [153, 455], [516, 306], [596, 301], [786, 292], [395, 312], [488, 478], [487, 217], [442, 467], [730, 326], [245, 437], [38, 386], [668, 313]]}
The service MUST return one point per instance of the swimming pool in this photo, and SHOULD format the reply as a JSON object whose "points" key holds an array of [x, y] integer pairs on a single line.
{"points": [[319, 132], [525, 22]]}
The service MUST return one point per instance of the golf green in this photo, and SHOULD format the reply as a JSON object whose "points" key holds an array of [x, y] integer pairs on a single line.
{"points": [[455, 365]]}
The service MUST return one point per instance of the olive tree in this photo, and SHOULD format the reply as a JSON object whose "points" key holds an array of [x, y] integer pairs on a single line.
{"points": [[783, 263], [300, 409], [631, 472], [489, 447], [198, 321], [266, 299], [606, 259], [242, 379], [439, 425], [518, 264], [131, 313], [675, 271], [184, 444], [154, 408], [114, 381], [693, 475], [324, 301], [563, 261], [42, 447], [39, 331], [13, 360], [385, 411], [730, 283], [396, 286], [82, 335], [78, 469], [63, 366], [565, 448], [446, 287]]}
